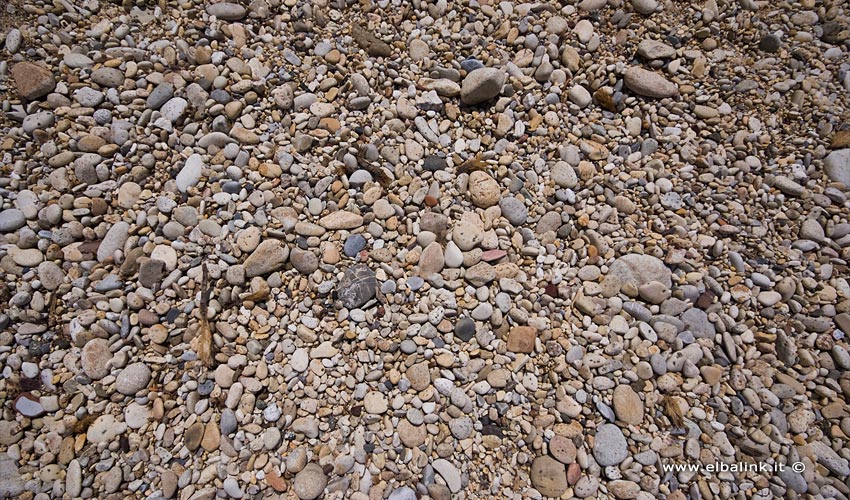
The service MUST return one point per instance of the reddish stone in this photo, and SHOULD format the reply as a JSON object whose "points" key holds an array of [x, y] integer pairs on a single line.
{"points": [[521, 339], [32, 81], [491, 255], [276, 482], [573, 473]]}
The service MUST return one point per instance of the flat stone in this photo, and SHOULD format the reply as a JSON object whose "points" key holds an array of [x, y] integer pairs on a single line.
{"points": [[419, 376], [193, 435], [580, 96], [653, 49], [837, 166], [449, 473], [113, 240], [827, 457], [268, 257], [645, 7], [375, 403], [484, 191], [411, 435], [549, 477], [627, 405], [431, 261], [11, 483], [521, 339], [174, 109], [513, 210], [161, 94], [564, 175], [466, 236], [304, 261], [95, 358], [105, 429], [107, 77], [562, 449], [190, 174], [32, 81], [640, 269], [341, 220], [357, 286], [649, 83], [403, 493], [226, 11]]}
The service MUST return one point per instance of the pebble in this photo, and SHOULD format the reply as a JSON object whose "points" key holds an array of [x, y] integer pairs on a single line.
{"points": [[649, 83], [419, 252], [836, 165], [449, 473], [645, 7], [609, 446], [133, 379], [481, 85], [549, 477], [310, 482], [226, 11], [32, 81], [484, 191]]}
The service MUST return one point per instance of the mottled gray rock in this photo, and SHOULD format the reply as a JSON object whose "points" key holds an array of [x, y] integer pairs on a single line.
{"points": [[609, 447], [11, 219], [133, 379], [357, 286]]}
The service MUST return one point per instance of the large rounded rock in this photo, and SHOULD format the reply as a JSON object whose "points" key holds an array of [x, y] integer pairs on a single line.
{"points": [[11, 220], [649, 83], [549, 476], [481, 85], [483, 189], [95, 358], [609, 447], [226, 11], [837, 166], [310, 482], [627, 405], [640, 269], [133, 379]]}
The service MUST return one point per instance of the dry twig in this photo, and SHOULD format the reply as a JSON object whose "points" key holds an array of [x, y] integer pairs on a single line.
{"points": [[204, 339]]}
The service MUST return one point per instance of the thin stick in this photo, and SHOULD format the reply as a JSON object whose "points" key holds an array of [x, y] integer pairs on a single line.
{"points": [[205, 340]]}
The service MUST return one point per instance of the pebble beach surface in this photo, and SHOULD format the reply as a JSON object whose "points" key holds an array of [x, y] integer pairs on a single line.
{"points": [[302, 249]]}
